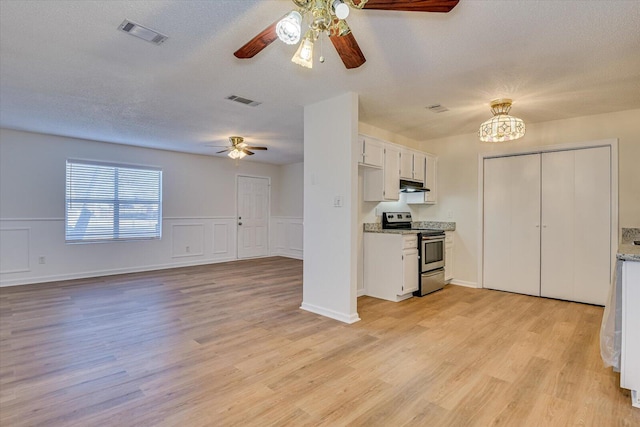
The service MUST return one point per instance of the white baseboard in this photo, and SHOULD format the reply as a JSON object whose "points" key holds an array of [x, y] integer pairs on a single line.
{"points": [[463, 283], [343, 317], [287, 255], [361, 292], [111, 272]]}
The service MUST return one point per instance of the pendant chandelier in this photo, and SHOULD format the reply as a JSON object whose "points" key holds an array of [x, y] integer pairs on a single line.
{"points": [[501, 127]]}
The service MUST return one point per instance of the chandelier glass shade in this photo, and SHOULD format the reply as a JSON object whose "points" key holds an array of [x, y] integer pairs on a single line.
{"points": [[501, 127], [236, 154], [304, 54], [289, 28]]}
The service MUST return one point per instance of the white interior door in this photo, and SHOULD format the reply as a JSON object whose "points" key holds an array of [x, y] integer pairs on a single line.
{"points": [[511, 241], [576, 225], [253, 217]]}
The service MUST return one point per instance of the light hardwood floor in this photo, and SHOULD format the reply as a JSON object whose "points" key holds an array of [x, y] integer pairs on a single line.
{"points": [[226, 344]]}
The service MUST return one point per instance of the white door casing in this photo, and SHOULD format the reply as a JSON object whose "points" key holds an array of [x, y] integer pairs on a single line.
{"points": [[253, 194]]}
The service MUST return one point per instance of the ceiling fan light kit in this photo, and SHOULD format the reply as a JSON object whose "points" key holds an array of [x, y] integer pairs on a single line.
{"points": [[328, 17], [304, 54], [289, 28], [238, 148], [501, 127]]}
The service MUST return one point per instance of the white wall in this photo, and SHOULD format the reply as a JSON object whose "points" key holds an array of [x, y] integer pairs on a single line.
{"points": [[199, 209], [458, 173], [330, 171], [287, 207]]}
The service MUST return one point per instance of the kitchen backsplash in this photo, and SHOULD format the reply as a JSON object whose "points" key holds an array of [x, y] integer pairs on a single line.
{"points": [[630, 234]]}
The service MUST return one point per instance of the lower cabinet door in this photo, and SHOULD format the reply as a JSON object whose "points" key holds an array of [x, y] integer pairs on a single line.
{"points": [[410, 271]]}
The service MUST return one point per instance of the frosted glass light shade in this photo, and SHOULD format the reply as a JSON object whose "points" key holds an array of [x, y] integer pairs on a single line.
{"points": [[304, 54], [236, 154], [288, 28]]}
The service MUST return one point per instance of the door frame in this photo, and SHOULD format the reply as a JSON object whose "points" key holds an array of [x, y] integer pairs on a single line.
{"points": [[539, 149], [268, 178]]}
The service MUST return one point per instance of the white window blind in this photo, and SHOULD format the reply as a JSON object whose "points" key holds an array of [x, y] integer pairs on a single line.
{"points": [[112, 202]]}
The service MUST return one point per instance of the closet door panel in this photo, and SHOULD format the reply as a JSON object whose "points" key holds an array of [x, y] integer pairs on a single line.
{"points": [[511, 224], [592, 250], [576, 225], [558, 211]]}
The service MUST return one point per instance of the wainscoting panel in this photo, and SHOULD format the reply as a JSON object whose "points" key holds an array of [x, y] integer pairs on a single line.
{"points": [[187, 240], [14, 250], [33, 250], [221, 236], [286, 237]]}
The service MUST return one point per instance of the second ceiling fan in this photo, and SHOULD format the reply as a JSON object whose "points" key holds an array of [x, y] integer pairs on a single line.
{"points": [[328, 16]]}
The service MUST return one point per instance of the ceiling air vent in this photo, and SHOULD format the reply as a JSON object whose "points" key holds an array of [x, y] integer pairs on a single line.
{"points": [[245, 101], [437, 108], [141, 32]]}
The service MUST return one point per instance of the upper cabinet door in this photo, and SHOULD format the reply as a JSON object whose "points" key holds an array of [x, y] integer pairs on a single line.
{"points": [[371, 152], [430, 180], [418, 167], [406, 164], [391, 174]]}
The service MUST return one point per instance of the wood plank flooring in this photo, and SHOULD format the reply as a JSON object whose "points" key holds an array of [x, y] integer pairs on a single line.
{"points": [[227, 345]]}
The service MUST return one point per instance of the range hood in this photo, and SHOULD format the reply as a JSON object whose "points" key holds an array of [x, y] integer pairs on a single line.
{"points": [[407, 186]]}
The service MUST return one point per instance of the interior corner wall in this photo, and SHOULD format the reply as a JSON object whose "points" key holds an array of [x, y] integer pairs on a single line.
{"points": [[458, 173], [330, 208], [199, 209]]}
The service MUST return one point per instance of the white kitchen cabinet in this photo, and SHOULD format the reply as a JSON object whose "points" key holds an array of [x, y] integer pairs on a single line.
{"points": [[430, 181], [406, 164], [547, 224], [384, 184], [418, 166], [390, 265], [630, 350], [412, 165], [448, 256], [371, 152]]}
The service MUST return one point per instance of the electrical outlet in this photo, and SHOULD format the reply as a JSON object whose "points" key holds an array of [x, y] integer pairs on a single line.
{"points": [[337, 201], [187, 249], [42, 260], [449, 214]]}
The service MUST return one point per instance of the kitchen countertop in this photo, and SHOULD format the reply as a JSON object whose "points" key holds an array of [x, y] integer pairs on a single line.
{"points": [[627, 251], [376, 227]]}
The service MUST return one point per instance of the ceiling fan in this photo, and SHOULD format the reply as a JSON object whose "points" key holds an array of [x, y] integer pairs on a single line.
{"points": [[328, 16], [238, 148]]}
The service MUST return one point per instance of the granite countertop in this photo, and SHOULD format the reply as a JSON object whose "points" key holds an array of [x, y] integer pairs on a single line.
{"points": [[376, 227], [627, 251]]}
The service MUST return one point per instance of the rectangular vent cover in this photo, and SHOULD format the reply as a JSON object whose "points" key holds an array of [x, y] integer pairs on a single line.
{"points": [[142, 32], [245, 101], [437, 108]]}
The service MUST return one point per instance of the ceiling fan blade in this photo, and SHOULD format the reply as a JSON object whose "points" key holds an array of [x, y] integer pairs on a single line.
{"points": [[348, 49], [245, 151], [256, 148], [259, 42], [442, 6], [223, 151]]}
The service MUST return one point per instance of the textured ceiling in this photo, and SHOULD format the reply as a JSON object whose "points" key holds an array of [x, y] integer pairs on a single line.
{"points": [[65, 69]]}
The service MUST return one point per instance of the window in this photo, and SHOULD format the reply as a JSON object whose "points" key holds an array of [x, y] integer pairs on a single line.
{"points": [[112, 202]]}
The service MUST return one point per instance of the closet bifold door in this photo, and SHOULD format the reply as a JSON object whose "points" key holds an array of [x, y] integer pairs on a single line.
{"points": [[511, 241], [576, 225]]}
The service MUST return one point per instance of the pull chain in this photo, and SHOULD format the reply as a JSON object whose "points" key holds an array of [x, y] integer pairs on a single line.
{"points": [[321, 44]]}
